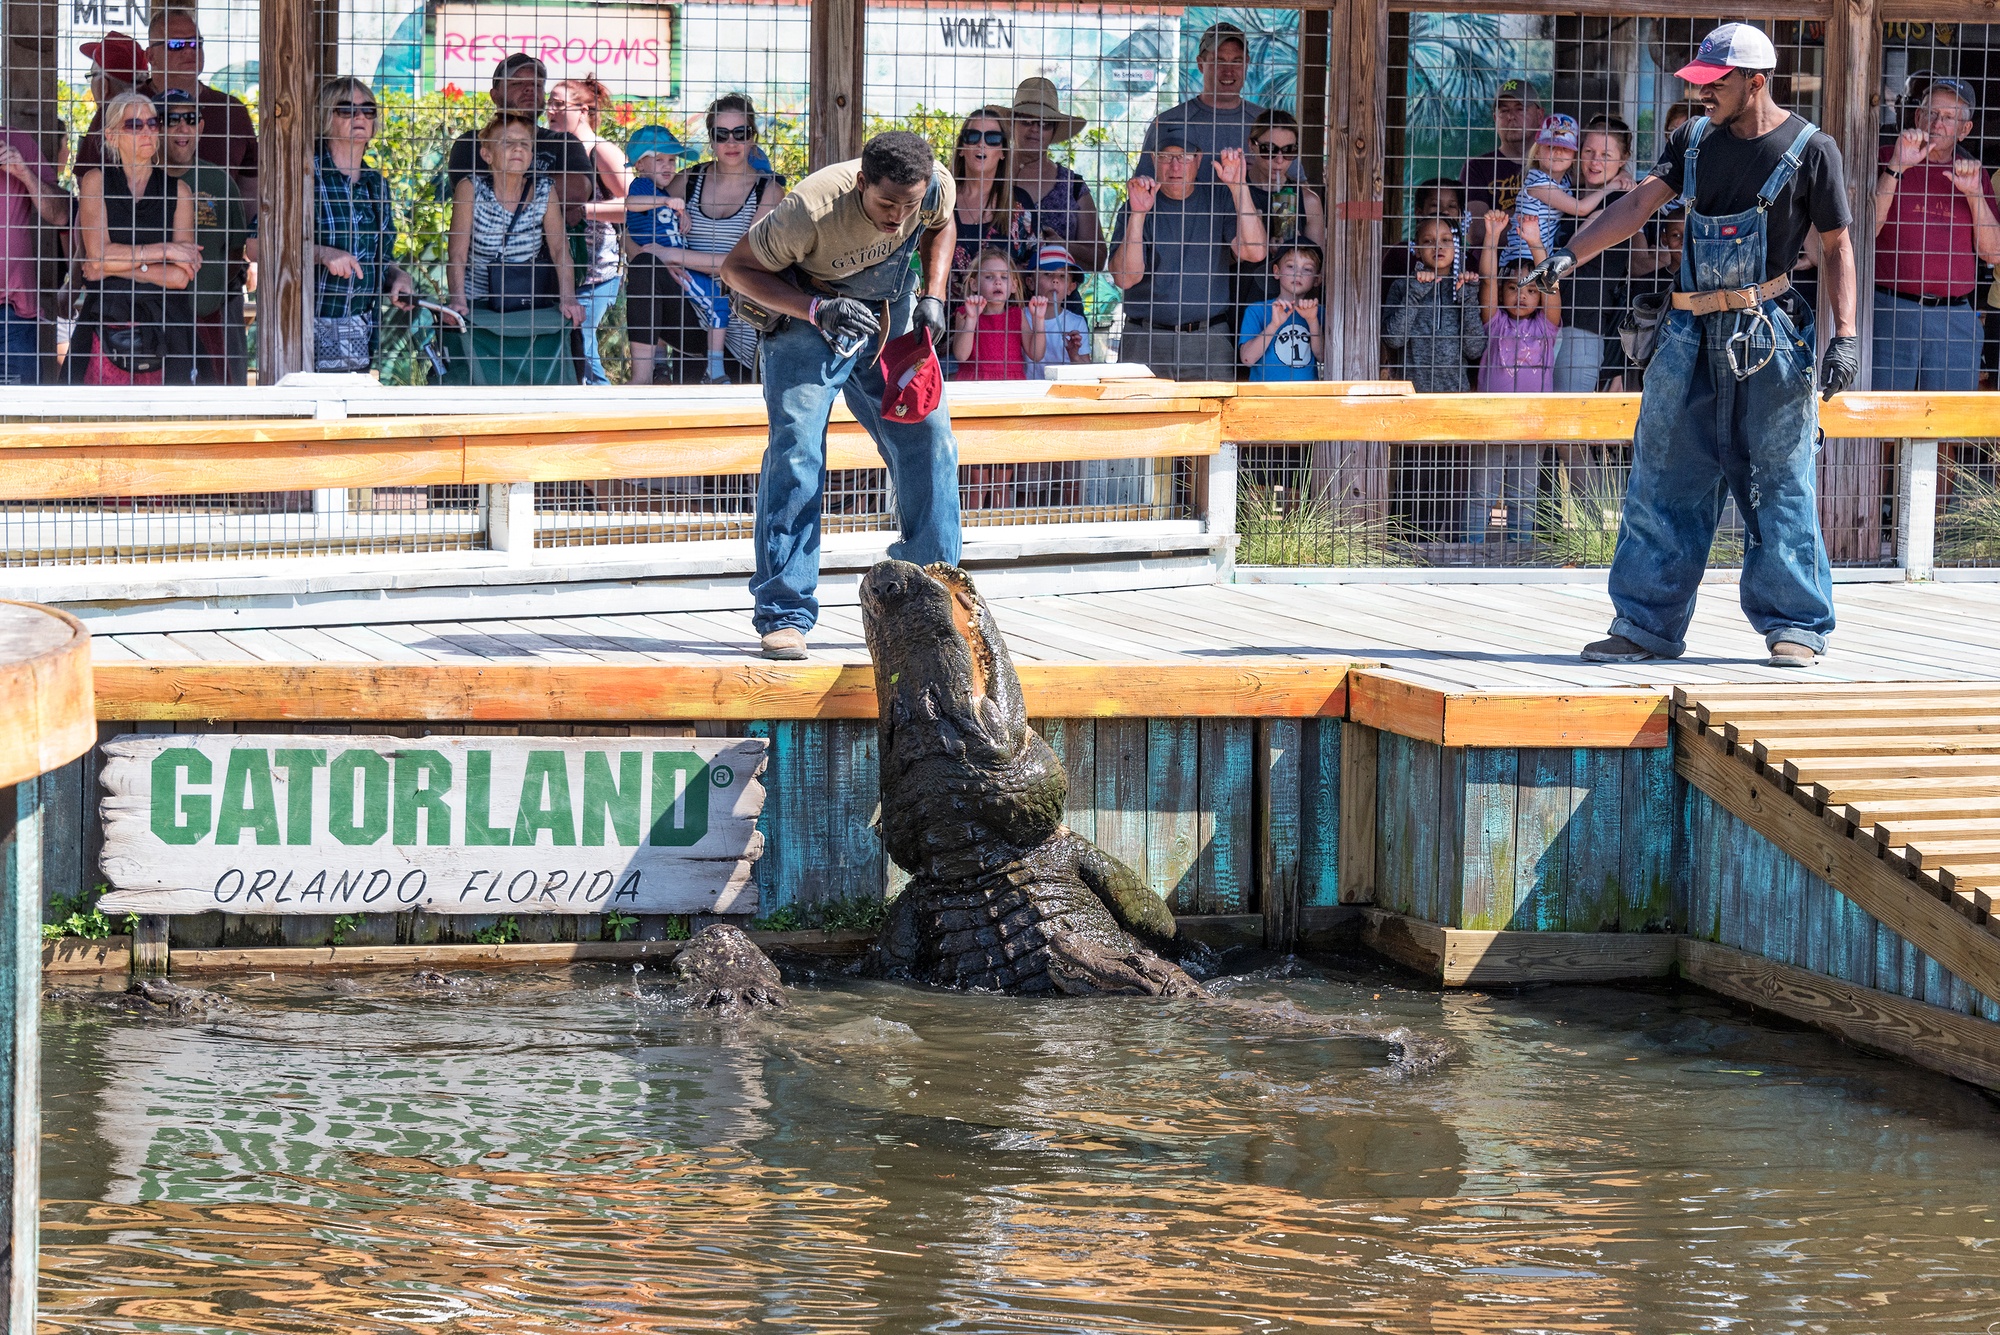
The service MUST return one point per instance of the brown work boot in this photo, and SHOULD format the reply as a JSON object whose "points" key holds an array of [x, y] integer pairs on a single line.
{"points": [[1792, 654], [786, 642]]}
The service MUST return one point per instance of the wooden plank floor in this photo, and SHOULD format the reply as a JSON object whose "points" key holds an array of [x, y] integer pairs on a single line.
{"points": [[1459, 636]]}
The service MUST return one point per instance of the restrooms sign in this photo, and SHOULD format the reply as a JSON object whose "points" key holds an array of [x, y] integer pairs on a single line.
{"points": [[629, 48]]}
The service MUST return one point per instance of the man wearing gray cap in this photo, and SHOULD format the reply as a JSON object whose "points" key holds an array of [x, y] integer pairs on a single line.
{"points": [[1219, 117], [1728, 399]]}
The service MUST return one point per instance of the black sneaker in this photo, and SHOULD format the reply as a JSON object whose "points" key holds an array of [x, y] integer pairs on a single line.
{"points": [[1615, 649]]}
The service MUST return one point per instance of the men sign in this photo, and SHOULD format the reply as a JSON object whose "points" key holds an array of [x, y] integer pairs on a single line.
{"points": [[319, 824]]}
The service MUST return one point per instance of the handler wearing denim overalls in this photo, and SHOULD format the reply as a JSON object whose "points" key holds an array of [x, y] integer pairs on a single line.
{"points": [[857, 254], [1728, 398]]}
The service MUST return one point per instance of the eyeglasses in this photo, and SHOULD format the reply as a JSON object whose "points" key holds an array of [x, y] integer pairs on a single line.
{"points": [[132, 126], [726, 134], [1271, 150], [357, 110], [179, 43], [178, 118], [991, 138]]}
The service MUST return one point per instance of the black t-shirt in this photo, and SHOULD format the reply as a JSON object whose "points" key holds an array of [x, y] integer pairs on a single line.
{"points": [[1731, 172], [555, 151], [1595, 297]]}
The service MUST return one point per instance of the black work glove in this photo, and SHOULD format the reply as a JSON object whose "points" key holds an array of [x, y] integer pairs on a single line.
{"points": [[1839, 364], [846, 322], [1544, 276], [930, 317]]}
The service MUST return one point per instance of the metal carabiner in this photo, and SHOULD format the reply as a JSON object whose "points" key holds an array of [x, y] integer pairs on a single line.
{"points": [[1741, 338]]}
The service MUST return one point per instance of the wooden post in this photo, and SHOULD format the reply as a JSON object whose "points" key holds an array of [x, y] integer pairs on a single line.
{"points": [[1315, 90], [1360, 758], [288, 54], [1853, 472], [1358, 36], [835, 63], [46, 721]]}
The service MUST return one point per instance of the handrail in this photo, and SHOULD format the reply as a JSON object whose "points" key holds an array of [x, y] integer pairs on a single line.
{"points": [[1121, 420]]}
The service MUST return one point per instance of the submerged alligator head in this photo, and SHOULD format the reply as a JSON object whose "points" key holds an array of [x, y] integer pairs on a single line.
{"points": [[1002, 895]]}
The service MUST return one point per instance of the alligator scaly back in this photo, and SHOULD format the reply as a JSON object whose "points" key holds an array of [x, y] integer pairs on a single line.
{"points": [[1002, 895]]}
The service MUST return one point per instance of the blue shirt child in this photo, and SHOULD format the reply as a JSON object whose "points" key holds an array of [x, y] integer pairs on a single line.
{"points": [[662, 227], [1290, 354]]}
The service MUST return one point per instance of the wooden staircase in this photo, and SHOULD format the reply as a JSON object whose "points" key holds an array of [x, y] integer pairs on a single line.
{"points": [[1890, 792]]}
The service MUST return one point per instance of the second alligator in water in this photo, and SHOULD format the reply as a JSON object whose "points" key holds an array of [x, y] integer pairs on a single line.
{"points": [[1002, 895]]}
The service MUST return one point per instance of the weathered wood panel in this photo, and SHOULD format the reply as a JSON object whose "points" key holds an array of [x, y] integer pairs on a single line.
{"points": [[1646, 841], [1323, 820], [1358, 856], [1492, 801], [1541, 829], [1121, 792], [1228, 861], [1174, 812], [1278, 838], [1595, 893]]}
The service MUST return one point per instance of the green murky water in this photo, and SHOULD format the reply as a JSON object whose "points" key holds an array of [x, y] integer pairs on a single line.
{"points": [[564, 1152]]}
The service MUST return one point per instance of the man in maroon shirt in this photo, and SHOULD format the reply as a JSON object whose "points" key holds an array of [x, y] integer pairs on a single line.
{"points": [[228, 137], [1936, 218]]}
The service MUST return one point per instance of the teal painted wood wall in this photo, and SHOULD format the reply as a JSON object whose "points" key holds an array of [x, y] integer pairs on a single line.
{"points": [[1214, 814], [1548, 840], [1744, 891]]}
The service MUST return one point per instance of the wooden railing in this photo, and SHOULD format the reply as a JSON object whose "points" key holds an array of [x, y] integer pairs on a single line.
{"points": [[1118, 420]]}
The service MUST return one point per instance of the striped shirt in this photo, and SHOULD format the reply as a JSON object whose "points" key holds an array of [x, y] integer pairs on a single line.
{"points": [[491, 239]]}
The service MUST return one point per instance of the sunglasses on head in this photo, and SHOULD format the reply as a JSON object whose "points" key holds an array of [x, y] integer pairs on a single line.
{"points": [[178, 118], [1271, 150], [991, 138], [149, 123], [724, 134], [366, 110]]}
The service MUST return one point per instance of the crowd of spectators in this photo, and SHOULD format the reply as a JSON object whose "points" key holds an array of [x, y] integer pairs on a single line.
{"points": [[1214, 248], [1214, 252]]}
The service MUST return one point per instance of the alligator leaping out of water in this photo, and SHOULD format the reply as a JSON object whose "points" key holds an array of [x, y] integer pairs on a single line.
{"points": [[1002, 895]]}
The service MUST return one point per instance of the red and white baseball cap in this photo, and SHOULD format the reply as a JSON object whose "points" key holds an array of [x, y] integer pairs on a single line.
{"points": [[1733, 46]]}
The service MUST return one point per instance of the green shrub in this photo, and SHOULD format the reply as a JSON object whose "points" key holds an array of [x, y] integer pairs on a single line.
{"points": [[860, 913], [78, 916], [1296, 526]]}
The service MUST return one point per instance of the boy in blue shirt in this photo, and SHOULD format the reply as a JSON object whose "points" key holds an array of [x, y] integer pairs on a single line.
{"points": [[1281, 339]]}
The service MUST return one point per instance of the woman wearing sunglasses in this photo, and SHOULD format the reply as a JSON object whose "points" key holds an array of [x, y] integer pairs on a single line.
{"points": [[354, 232], [136, 225], [720, 198], [1063, 203], [992, 211], [1293, 213]]}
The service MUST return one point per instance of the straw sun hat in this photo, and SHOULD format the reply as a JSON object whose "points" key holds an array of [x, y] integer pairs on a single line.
{"points": [[1036, 100]]}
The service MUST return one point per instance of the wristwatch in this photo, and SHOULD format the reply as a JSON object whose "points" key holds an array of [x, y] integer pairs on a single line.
{"points": [[1896, 172]]}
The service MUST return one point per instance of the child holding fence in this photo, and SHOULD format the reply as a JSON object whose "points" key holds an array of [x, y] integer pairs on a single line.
{"points": [[1431, 323]]}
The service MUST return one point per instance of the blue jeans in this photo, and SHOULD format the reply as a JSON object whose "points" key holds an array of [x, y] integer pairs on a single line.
{"points": [[1700, 430], [1579, 360], [802, 378], [20, 348], [597, 302], [1924, 347]]}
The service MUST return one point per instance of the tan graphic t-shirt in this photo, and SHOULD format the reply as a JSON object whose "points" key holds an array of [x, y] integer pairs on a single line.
{"points": [[820, 226]]}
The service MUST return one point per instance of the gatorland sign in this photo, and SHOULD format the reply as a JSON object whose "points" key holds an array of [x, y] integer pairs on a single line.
{"points": [[315, 824]]}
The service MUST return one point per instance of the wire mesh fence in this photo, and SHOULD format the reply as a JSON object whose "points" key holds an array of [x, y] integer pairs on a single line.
{"points": [[1486, 505], [1968, 504]]}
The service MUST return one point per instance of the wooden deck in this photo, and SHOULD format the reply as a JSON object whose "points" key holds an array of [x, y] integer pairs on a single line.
{"points": [[1453, 637]]}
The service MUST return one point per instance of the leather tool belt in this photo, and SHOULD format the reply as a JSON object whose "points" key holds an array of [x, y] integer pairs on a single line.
{"points": [[1732, 298]]}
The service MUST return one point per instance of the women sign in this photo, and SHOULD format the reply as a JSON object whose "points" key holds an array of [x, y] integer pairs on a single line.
{"points": [[315, 824], [629, 48]]}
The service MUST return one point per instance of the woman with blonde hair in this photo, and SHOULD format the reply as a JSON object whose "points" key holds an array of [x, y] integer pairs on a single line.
{"points": [[136, 227], [576, 107], [354, 232]]}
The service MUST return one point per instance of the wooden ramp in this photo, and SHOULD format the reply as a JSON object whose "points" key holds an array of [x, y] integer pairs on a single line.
{"points": [[1888, 791]]}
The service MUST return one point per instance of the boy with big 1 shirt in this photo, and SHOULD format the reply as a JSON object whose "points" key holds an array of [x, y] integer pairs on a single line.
{"points": [[1283, 339]]}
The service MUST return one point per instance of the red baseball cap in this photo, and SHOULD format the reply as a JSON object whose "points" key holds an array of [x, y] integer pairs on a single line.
{"points": [[912, 380], [1733, 46], [120, 57]]}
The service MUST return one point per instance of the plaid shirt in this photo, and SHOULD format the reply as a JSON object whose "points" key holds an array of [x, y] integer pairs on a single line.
{"points": [[359, 217]]}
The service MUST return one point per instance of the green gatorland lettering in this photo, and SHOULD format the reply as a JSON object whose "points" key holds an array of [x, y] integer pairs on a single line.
{"points": [[413, 797]]}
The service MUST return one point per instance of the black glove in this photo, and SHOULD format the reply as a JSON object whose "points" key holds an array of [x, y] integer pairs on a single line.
{"points": [[930, 317], [1544, 276], [846, 322], [1839, 364]]}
